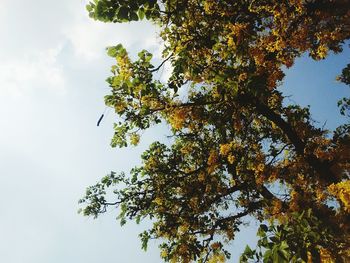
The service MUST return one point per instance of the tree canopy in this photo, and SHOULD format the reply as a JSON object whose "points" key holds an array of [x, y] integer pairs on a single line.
{"points": [[238, 150]]}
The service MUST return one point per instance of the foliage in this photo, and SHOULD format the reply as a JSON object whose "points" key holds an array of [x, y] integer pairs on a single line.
{"points": [[298, 240], [234, 140]]}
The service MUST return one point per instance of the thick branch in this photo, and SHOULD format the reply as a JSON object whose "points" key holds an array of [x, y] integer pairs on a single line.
{"points": [[161, 64], [321, 167]]}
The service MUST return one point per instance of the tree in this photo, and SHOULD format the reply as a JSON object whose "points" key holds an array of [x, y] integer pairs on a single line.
{"points": [[234, 141]]}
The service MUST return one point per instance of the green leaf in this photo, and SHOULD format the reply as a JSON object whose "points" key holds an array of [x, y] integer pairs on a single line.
{"points": [[151, 3], [145, 236], [90, 7], [248, 251], [141, 13], [268, 256], [284, 250], [134, 16], [134, 178], [148, 56], [123, 13], [113, 51], [122, 221], [261, 231], [264, 227], [274, 239]]}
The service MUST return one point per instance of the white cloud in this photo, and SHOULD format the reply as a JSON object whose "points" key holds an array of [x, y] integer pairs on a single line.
{"points": [[90, 38], [50, 146], [36, 71]]}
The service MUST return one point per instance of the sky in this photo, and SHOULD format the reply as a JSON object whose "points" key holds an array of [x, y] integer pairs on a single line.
{"points": [[53, 68]]}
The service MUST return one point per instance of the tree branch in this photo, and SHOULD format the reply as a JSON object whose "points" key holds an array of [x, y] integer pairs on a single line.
{"points": [[323, 168]]}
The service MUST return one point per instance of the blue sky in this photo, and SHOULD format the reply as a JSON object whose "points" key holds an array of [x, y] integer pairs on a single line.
{"points": [[52, 71]]}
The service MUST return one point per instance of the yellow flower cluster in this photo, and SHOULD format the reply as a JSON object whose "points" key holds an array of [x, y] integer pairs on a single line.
{"points": [[294, 201], [213, 158], [325, 256], [320, 195], [186, 149], [225, 149], [158, 201], [209, 6], [149, 100], [274, 100], [194, 203], [182, 250], [273, 176], [134, 139], [259, 179], [242, 77], [342, 192], [231, 159], [321, 52], [124, 64], [231, 43], [201, 177], [258, 55], [120, 106], [183, 228], [217, 258], [150, 163], [276, 45], [178, 118], [237, 28], [230, 234], [274, 210], [298, 5], [215, 245], [236, 35], [260, 167]]}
